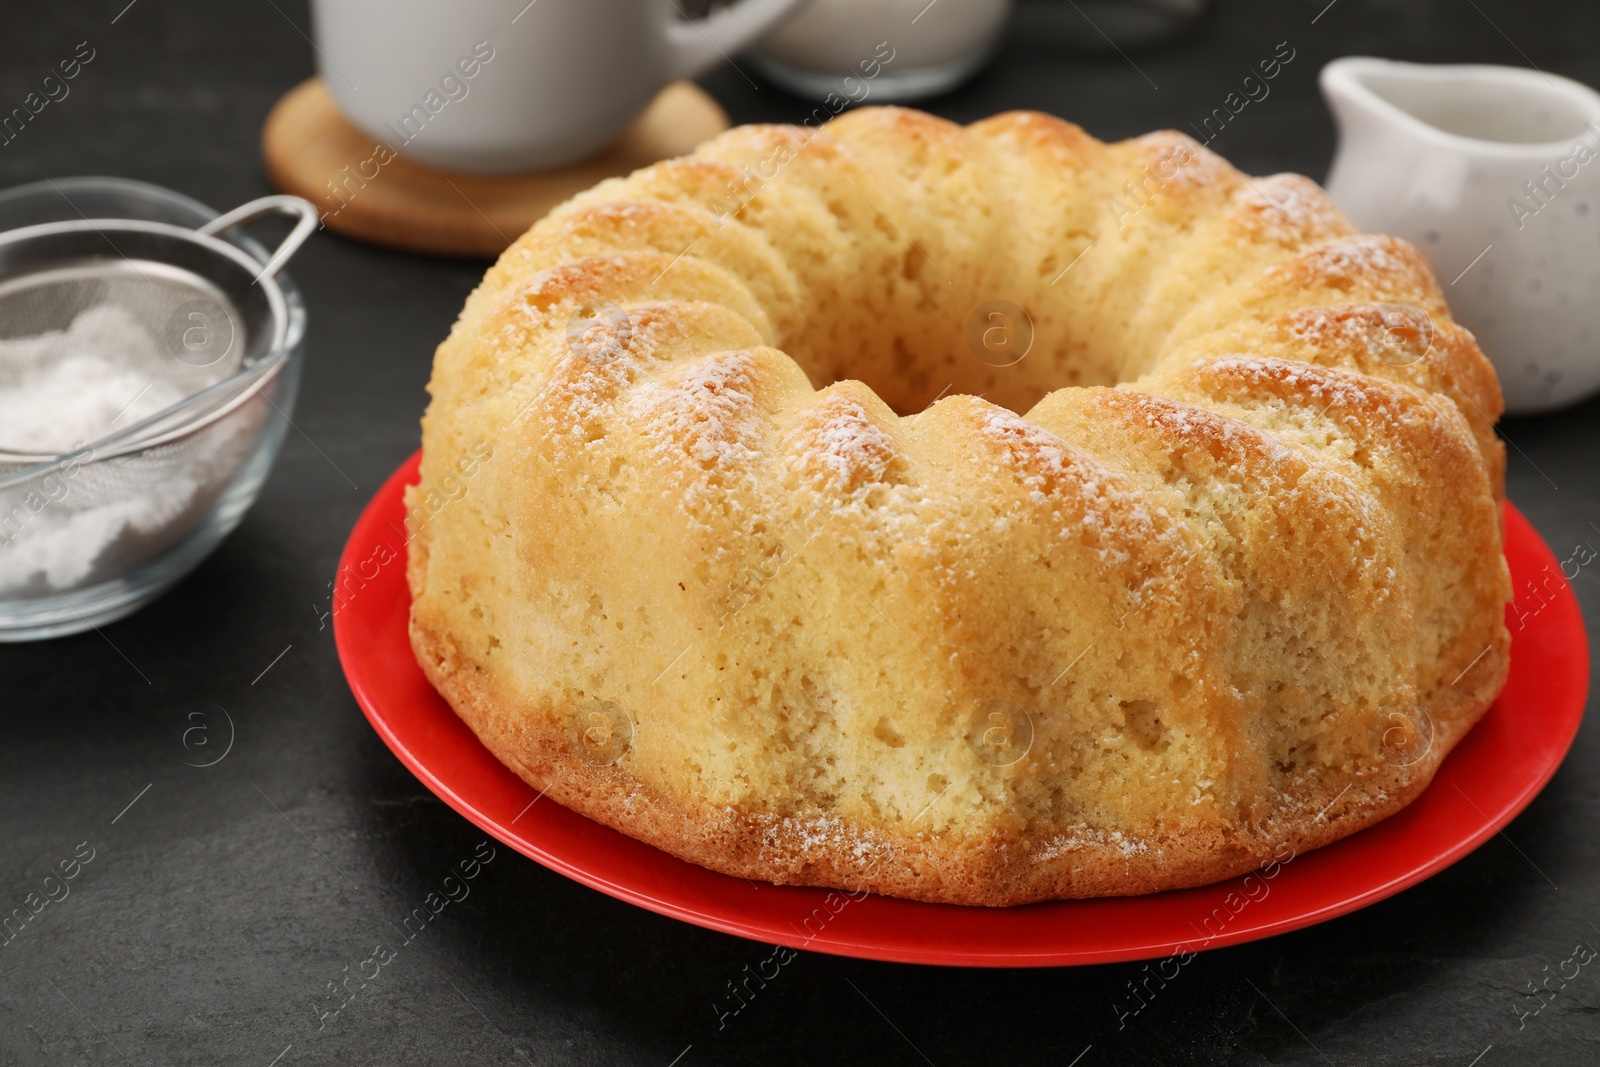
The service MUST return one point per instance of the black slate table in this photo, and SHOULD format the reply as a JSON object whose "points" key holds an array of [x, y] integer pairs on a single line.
{"points": [[220, 904]]}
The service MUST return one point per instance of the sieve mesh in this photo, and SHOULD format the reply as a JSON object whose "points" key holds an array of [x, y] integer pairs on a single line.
{"points": [[185, 325], [158, 330], [191, 324]]}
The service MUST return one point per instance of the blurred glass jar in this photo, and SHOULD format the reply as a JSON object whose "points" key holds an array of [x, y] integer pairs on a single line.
{"points": [[900, 49]]}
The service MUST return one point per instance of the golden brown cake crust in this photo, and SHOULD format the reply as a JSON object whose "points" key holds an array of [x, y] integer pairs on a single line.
{"points": [[993, 870], [1239, 591]]}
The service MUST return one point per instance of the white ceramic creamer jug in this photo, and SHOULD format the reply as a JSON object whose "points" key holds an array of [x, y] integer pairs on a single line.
{"points": [[1494, 173]]}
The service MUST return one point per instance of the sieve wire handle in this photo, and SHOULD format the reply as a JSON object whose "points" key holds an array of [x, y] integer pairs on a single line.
{"points": [[270, 205]]}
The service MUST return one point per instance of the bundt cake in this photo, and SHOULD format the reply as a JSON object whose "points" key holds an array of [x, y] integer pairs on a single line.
{"points": [[976, 514]]}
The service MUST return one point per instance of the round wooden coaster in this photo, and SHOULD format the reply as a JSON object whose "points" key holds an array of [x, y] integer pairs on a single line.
{"points": [[364, 190]]}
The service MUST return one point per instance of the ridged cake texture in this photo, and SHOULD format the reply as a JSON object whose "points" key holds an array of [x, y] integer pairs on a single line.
{"points": [[768, 568]]}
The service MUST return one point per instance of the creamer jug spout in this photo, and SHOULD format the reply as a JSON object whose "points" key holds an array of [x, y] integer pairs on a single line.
{"points": [[1490, 171]]}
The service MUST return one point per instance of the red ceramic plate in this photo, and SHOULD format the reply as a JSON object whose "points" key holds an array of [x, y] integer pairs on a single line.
{"points": [[1486, 781]]}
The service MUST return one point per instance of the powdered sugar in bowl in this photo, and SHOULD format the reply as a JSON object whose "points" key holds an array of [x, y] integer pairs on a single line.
{"points": [[149, 356]]}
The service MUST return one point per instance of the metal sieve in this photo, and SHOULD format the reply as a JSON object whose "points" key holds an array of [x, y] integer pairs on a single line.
{"points": [[187, 309]]}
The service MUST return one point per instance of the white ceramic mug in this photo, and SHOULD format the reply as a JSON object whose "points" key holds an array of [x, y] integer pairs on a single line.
{"points": [[500, 86]]}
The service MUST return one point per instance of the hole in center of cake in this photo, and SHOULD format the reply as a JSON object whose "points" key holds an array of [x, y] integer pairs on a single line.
{"points": [[1010, 350]]}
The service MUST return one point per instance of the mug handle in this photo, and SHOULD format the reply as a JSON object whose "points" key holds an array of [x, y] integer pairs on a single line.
{"points": [[697, 45]]}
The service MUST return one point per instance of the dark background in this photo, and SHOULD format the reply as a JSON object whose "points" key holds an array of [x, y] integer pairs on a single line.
{"points": [[208, 921]]}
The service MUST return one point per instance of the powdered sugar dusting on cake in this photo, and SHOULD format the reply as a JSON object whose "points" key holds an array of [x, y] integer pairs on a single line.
{"points": [[630, 214], [1372, 256], [1047, 465], [1291, 209], [1317, 326], [1193, 422], [1318, 383], [707, 412], [601, 353], [1086, 837], [703, 426], [1176, 159], [843, 443], [796, 840], [1395, 334]]}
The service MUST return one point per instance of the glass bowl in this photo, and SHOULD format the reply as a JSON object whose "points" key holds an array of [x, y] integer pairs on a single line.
{"points": [[93, 535]]}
